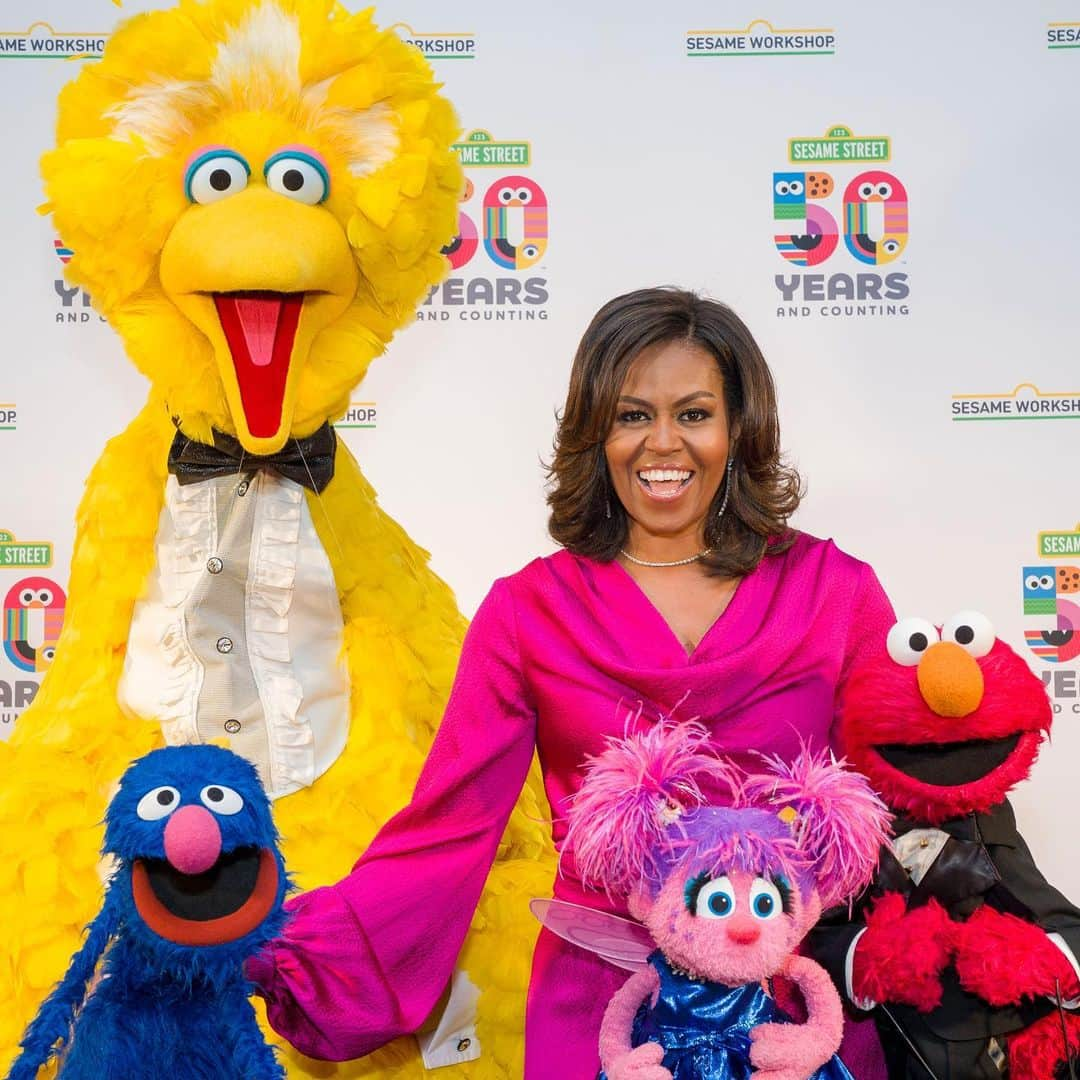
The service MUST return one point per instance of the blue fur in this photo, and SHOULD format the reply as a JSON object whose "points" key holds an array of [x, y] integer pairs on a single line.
{"points": [[162, 1010]]}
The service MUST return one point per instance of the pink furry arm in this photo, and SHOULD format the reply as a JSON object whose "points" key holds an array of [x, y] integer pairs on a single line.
{"points": [[795, 1051], [364, 961], [619, 1016]]}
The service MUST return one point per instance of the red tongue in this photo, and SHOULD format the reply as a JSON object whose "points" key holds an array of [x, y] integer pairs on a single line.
{"points": [[260, 328]]}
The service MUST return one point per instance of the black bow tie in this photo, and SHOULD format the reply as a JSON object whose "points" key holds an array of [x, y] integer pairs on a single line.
{"points": [[309, 461]]}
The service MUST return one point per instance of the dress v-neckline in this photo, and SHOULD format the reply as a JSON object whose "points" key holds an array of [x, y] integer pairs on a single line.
{"points": [[656, 615]]}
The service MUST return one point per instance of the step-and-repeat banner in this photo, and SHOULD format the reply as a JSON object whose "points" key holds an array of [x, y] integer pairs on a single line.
{"points": [[929, 386]]}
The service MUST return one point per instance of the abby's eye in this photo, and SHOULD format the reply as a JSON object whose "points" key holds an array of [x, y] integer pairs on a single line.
{"points": [[971, 630], [221, 799], [766, 901], [715, 899], [215, 174], [909, 639], [159, 803], [298, 175]]}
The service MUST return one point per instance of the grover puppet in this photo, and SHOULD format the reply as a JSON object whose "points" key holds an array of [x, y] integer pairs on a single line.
{"points": [[198, 889], [727, 893], [965, 951]]}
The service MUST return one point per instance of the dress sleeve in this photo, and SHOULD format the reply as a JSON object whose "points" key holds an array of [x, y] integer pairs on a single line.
{"points": [[872, 617], [364, 961]]}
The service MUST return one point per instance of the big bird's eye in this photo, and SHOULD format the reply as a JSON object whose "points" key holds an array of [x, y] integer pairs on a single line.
{"points": [[765, 899], [971, 630], [715, 899], [221, 799], [159, 803], [214, 175], [298, 175], [909, 639]]}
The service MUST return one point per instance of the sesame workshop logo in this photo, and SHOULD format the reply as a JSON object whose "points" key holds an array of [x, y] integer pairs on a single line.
{"points": [[1063, 35], [872, 207], [1025, 402], [760, 38], [75, 307], [439, 46], [512, 211], [359, 415], [9, 416], [1051, 598], [42, 42]]}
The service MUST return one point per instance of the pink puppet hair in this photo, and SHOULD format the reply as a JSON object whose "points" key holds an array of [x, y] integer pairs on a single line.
{"points": [[839, 824], [624, 821], [641, 812]]}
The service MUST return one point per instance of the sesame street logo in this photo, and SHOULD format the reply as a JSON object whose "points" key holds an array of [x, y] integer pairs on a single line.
{"points": [[24, 553], [1051, 599], [760, 38], [812, 208], [1025, 402], [42, 42], [74, 302], [439, 46], [503, 223]]}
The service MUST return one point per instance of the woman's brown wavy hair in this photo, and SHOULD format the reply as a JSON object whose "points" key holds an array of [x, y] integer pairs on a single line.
{"points": [[764, 491]]}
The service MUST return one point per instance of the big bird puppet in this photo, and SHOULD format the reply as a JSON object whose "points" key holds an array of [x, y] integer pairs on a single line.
{"points": [[258, 193]]}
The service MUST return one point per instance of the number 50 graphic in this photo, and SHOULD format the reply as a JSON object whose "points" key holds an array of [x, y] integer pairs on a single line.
{"points": [[515, 225], [875, 213]]}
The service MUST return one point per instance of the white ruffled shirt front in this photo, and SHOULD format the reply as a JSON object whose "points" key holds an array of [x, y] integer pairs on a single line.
{"points": [[240, 634]]}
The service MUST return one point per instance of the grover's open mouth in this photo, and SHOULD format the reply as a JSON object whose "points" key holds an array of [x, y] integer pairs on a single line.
{"points": [[221, 904], [949, 764]]}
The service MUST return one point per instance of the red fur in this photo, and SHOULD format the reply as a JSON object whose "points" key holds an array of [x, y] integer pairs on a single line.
{"points": [[1037, 1051], [1002, 958], [795, 1051], [619, 1060], [902, 954], [883, 705]]}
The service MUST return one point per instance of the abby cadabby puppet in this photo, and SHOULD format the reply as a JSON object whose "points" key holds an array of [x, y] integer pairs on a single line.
{"points": [[198, 888], [726, 893]]}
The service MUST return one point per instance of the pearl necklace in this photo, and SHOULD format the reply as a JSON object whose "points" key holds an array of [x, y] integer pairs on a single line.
{"points": [[678, 562]]}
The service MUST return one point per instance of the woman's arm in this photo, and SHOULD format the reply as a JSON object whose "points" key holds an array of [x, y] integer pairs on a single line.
{"points": [[364, 961]]}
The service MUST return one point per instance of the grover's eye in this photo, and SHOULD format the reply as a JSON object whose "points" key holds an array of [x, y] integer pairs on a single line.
{"points": [[159, 803], [298, 175], [909, 639], [221, 799], [766, 901], [971, 630], [715, 899], [215, 174]]}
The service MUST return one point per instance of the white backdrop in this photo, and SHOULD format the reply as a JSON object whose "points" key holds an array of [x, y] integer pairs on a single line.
{"points": [[654, 132]]}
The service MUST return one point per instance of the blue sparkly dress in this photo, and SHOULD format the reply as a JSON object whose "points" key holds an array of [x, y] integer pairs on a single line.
{"points": [[705, 1027]]}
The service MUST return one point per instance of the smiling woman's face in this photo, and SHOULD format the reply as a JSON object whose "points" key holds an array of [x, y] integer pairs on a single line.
{"points": [[668, 447]]}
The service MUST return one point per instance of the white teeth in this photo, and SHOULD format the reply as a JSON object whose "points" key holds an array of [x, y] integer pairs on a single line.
{"points": [[657, 476]]}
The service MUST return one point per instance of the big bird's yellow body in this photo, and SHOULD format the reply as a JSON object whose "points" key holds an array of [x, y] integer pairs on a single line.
{"points": [[257, 194]]}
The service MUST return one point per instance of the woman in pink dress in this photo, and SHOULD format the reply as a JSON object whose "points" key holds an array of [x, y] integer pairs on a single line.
{"points": [[679, 590]]}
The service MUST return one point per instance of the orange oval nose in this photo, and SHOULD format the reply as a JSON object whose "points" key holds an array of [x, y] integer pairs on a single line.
{"points": [[950, 680]]}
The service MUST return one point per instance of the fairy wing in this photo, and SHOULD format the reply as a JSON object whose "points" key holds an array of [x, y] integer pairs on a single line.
{"points": [[622, 942]]}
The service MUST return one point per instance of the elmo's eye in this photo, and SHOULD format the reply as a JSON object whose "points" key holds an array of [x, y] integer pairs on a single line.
{"points": [[221, 799], [298, 175], [159, 803], [214, 175], [909, 639], [971, 630], [715, 899], [765, 899]]}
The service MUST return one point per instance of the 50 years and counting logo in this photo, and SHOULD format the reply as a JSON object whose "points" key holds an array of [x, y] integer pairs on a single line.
{"points": [[838, 190], [502, 238], [1051, 598]]}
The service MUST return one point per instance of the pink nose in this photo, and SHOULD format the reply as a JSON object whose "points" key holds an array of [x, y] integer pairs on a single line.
{"points": [[192, 840], [743, 932]]}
